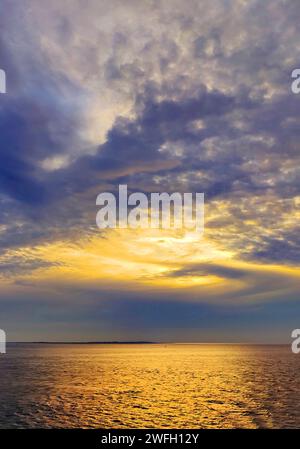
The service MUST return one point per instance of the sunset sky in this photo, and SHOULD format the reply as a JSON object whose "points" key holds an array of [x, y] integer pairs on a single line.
{"points": [[163, 96]]}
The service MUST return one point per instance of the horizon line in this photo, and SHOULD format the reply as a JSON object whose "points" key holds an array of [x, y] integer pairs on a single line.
{"points": [[145, 342]]}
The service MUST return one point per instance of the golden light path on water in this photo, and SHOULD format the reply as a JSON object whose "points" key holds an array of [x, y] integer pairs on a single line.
{"points": [[144, 386]]}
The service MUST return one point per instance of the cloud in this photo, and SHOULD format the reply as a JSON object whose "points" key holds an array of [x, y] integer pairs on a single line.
{"points": [[162, 96], [207, 269]]}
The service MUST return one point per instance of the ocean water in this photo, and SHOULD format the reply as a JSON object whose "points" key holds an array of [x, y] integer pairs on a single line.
{"points": [[149, 386]]}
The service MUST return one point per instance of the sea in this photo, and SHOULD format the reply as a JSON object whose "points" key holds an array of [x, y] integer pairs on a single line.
{"points": [[166, 386]]}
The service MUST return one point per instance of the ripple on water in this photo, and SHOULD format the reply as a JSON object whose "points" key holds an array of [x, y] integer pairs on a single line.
{"points": [[164, 386]]}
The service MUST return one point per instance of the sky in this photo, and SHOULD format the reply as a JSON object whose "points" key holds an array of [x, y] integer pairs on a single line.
{"points": [[164, 96]]}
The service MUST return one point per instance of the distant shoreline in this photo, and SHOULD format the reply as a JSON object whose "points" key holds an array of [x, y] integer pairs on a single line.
{"points": [[84, 342], [140, 343]]}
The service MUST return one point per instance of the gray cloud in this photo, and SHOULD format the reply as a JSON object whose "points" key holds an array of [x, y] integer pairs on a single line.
{"points": [[201, 102]]}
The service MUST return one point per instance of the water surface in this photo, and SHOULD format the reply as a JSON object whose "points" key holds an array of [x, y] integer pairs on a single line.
{"points": [[144, 386]]}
